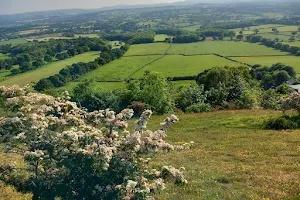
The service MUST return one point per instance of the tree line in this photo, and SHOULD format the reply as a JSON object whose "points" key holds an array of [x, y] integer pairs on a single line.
{"points": [[34, 55]]}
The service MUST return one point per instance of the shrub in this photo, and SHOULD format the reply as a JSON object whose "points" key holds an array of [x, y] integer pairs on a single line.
{"points": [[270, 99], [139, 107], [75, 154], [247, 99], [280, 123], [199, 108]]}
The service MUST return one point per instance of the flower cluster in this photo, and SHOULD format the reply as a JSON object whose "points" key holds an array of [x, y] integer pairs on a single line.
{"points": [[291, 102], [72, 153]]}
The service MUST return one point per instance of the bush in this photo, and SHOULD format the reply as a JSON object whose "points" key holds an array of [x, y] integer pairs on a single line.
{"points": [[139, 107], [199, 108], [74, 154], [280, 123], [270, 99]]}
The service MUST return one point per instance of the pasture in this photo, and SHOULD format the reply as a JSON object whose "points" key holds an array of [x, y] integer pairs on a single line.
{"points": [[225, 48], [160, 37], [293, 61], [3, 56], [232, 158], [147, 49], [177, 65], [120, 69], [34, 76], [13, 41]]}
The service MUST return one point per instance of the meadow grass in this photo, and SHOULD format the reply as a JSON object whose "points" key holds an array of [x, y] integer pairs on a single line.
{"points": [[160, 37], [176, 65], [225, 48], [296, 43], [13, 41], [8, 192], [147, 49], [293, 61], [87, 35], [233, 157], [120, 69], [45, 71], [95, 86], [3, 56], [273, 36]]}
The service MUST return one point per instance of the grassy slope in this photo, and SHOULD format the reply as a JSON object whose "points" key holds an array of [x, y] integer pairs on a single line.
{"points": [[226, 48], [233, 158], [269, 60], [47, 70], [175, 65]]}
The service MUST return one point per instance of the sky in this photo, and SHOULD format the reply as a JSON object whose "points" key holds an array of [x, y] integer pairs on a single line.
{"points": [[21, 6]]}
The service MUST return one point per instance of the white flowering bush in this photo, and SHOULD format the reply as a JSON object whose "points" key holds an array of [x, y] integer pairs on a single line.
{"points": [[75, 154], [292, 102]]}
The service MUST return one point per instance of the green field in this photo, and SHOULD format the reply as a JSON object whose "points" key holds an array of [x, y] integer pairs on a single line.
{"points": [[87, 35], [120, 69], [32, 77], [96, 86], [233, 157], [13, 41], [3, 56], [293, 61], [225, 48], [145, 49], [176, 65], [160, 37]]}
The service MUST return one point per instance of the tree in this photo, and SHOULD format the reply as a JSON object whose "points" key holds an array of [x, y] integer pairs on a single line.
{"points": [[25, 66], [274, 30], [240, 37], [153, 90], [276, 40], [256, 31], [294, 33], [292, 39], [241, 32], [48, 58], [232, 34], [43, 84], [299, 29]]}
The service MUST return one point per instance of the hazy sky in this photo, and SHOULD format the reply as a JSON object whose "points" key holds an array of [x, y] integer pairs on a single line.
{"points": [[19, 6]]}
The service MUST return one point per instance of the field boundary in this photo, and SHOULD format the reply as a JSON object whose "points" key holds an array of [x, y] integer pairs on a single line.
{"points": [[163, 55]]}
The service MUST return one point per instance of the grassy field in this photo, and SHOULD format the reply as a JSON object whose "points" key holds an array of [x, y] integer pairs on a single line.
{"points": [[225, 48], [96, 86], [87, 35], [160, 37], [176, 65], [32, 77], [13, 41], [233, 158], [120, 69], [3, 56], [142, 49], [269, 60]]}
